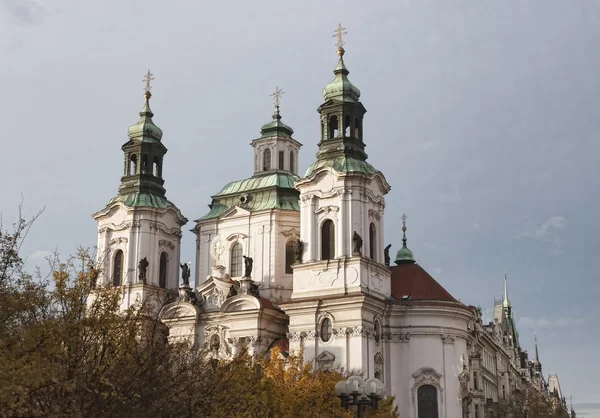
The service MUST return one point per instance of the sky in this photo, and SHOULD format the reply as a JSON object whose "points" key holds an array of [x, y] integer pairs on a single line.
{"points": [[483, 116]]}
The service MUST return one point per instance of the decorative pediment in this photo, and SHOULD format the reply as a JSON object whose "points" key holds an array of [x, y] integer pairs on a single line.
{"points": [[241, 303], [427, 376], [327, 209], [236, 237], [117, 241], [213, 293], [179, 310], [378, 358], [374, 216], [293, 232], [325, 356], [234, 212], [325, 360], [163, 243]]}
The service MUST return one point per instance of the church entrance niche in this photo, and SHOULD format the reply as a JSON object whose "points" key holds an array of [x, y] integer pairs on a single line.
{"points": [[428, 403], [327, 240]]}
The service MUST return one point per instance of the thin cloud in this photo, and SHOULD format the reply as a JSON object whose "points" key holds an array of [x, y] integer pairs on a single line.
{"points": [[24, 12], [546, 323], [547, 234]]}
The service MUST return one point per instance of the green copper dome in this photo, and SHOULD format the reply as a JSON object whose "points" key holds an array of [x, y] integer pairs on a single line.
{"points": [[145, 130], [276, 127], [341, 89], [404, 255]]}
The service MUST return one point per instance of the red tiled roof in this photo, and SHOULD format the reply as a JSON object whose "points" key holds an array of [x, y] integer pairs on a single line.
{"points": [[412, 280]]}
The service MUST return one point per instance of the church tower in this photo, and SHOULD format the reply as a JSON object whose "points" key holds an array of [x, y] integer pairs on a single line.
{"points": [[341, 282], [139, 230]]}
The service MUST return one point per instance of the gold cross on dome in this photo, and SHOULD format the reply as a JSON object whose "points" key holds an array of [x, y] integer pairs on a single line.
{"points": [[277, 96], [404, 220], [148, 80], [339, 34]]}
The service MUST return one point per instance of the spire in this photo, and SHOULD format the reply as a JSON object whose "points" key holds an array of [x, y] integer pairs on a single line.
{"points": [[506, 302], [341, 89], [145, 129], [404, 255], [537, 364], [144, 152], [276, 127]]}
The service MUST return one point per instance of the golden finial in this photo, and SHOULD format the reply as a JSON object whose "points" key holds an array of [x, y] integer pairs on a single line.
{"points": [[339, 34], [148, 80], [277, 96], [404, 217]]}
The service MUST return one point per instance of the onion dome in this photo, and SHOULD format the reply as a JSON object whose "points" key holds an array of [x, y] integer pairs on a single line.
{"points": [[404, 255], [276, 127], [341, 89], [145, 130]]}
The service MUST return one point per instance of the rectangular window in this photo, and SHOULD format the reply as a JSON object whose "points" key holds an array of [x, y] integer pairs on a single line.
{"points": [[475, 385], [281, 156]]}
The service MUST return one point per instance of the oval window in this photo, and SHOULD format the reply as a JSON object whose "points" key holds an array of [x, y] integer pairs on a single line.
{"points": [[326, 330], [377, 332]]}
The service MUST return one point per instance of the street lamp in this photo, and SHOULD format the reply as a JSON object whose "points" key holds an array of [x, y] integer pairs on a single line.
{"points": [[356, 391]]}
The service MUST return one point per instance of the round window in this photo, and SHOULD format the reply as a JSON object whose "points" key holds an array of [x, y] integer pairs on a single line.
{"points": [[326, 330], [377, 332]]}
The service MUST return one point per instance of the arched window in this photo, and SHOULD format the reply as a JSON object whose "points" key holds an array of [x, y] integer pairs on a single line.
{"points": [[372, 241], [267, 160], [357, 128], [325, 330], [427, 400], [132, 165], [378, 361], [236, 260], [290, 256], [333, 127], [164, 267], [327, 240], [292, 162], [118, 268], [145, 164], [347, 126], [156, 166]]}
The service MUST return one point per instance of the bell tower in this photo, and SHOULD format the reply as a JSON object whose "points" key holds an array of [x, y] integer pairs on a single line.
{"points": [[341, 282], [139, 230]]}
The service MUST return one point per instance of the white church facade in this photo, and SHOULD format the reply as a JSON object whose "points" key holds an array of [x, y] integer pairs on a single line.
{"points": [[301, 262]]}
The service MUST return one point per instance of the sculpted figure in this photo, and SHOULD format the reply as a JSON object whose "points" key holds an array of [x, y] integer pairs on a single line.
{"points": [[358, 243], [248, 266], [299, 251], [185, 274], [143, 266], [386, 255]]}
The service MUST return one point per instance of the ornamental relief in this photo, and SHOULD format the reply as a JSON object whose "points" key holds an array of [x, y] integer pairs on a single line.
{"points": [[293, 232], [374, 216], [427, 376], [117, 241], [448, 339], [396, 338], [163, 243]]}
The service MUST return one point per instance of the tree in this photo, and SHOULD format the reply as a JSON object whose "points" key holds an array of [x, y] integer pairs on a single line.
{"points": [[527, 404], [66, 349]]}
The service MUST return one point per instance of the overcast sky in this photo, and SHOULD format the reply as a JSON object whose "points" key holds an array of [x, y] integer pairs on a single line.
{"points": [[483, 115]]}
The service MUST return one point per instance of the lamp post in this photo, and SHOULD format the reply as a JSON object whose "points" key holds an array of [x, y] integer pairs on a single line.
{"points": [[356, 391]]}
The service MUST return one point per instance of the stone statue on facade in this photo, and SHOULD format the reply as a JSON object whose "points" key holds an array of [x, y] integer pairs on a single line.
{"points": [[386, 255], [185, 274], [248, 266], [232, 292], [143, 266], [299, 251], [358, 243]]}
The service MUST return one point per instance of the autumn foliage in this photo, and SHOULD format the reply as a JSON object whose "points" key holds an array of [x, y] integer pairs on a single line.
{"points": [[64, 354]]}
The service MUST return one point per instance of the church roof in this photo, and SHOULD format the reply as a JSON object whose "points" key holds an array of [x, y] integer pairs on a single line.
{"points": [[142, 200], [342, 164], [283, 180], [412, 280]]}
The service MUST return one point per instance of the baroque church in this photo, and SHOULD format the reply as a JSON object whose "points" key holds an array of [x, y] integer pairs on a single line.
{"points": [[299, 260]]}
